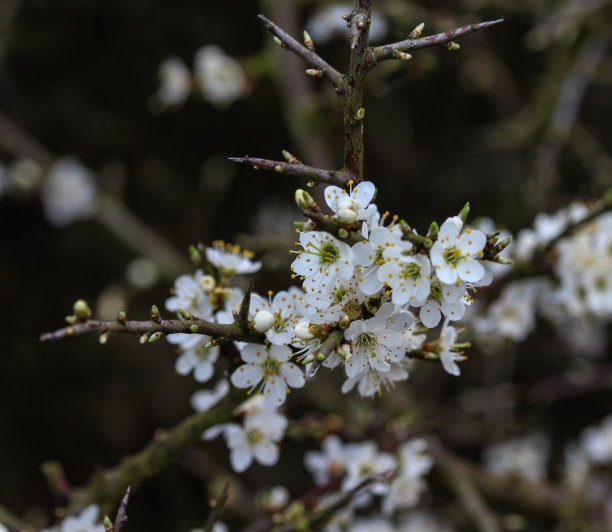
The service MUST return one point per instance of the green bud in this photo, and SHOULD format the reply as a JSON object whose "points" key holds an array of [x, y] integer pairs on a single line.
{"points": [[81, 310], [121, 317], [320, 357], [194, 328], [71, 320], [299, 225], [452, 46], [103, 338], [308, 359], [427, 243], [289, 157], [308, 41], [360, 114], [278, 168], [433, 230], [195, 255], [278, 41], [463, 214], [143, 338], [343, 233], [155, 315], [185, 315], [156, 336], [108, 524], [314, 73], [416, 32], [504, 243], [502, 260], [344, 322], [304, 200]]}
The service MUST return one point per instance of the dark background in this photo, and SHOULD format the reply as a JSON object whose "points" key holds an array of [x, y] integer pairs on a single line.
{"points": [[482, 124]]}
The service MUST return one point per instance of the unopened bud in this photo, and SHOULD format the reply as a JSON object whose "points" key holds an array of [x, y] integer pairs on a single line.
{"points": [[403, 55], [263, 321], [427, 243], [344, 322], [71, 320], [504, 243], [81, 310], [108, 524], [290, 158], [155, 315], [156, 336], [360, 114], [304, 200], [195, 255], [416, 32], [433, 230], [143, 338], [320, 357], [103, 338], [303, 330], [452, 46], [184, 314], [279, 42], [344, 351], [308, 41], [346, 17], [121, 317], [194, 328], [278, 168], [314, 73], [502, 260], [463, 214], [343, 233], [308, 359], [207, 283]]}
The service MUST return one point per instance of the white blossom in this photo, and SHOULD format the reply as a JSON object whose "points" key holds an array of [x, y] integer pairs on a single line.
{"points": [[329, 463], [86, 521], [524, 457], [196, 355], [350, 207], [69, 192], [230, 259], [219, 76], [271, 369], [204, 400], [448, 355], [597, 442], [175, 82]]}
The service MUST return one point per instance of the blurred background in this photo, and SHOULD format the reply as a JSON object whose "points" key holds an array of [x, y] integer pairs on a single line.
{"points": [[117, 96]]}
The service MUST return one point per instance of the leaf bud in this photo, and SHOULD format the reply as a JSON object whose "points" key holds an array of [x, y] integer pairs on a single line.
{"points": [[402, 55], [195, 255], [463, 214], [315, 73], [263, 321], [194, 328], [143, 338], [155, 314], [156, 336], [279, 42], [427, 243], [320, 357], [121, 317], [108, 524], [279, 168], [290, 158], [103, 338], [185, 314], [344, 322], [500, 246], [359, 114], [416, 32], [433, 230], [81, 310], [71, 320], [304, 200], [343, 233], [308, 41], [452, 46]]}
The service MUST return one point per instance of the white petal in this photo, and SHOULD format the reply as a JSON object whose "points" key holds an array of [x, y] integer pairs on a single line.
{"points": [[470, 271], [293, 374], [240, 460], [266, 453], [247, 376], [275, 390], [430, 315], [364, 192]]}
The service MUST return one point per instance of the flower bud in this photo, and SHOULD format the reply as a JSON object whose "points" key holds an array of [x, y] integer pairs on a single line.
{"points": [[81, 310], [465, 212], [155, 314], [304, 200], [433, 230], [195, 255], [360, 114], [263, 321], [344, 322], [303, 330], [346, 215], [207, 283]]}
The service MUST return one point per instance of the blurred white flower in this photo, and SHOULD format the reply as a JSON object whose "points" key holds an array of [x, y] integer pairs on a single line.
{"points": [[327, 21], [524, 457], [69, 192], [175, 82], [219, 76], [597, 442]]}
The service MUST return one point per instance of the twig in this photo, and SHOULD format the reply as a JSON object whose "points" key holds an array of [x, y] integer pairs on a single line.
{"points": [[122, 517], [231, 331], [13, 522], [325, 223], [307, 55], [390, 51], [217, 507], [329, 177], [243, 314]]}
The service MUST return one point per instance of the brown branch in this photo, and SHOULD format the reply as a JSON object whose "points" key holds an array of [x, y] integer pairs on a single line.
{"points": [[329, 177], [389, 51], [231, 331], [312, 58], [122, 517], [107, 487]]}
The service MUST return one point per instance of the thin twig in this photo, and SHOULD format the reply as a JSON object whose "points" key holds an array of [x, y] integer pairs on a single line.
{"points": [[318, 175], [243, 314], [122, 517], [231, 331], [390, 51], [312, 58], [13, 522], [217, 508]]}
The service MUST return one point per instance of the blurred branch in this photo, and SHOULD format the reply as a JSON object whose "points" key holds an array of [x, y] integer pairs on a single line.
{"points": [[330, 177], [567, 106], [231, 331], [390, 51], [312, 58], [108, 486], [13, 522]]}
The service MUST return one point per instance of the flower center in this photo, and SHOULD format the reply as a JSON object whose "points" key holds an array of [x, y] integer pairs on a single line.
{"points": [[328, 254], [435, 293], [452, 255], [271, 366], [410, 271], [254, 436]]}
